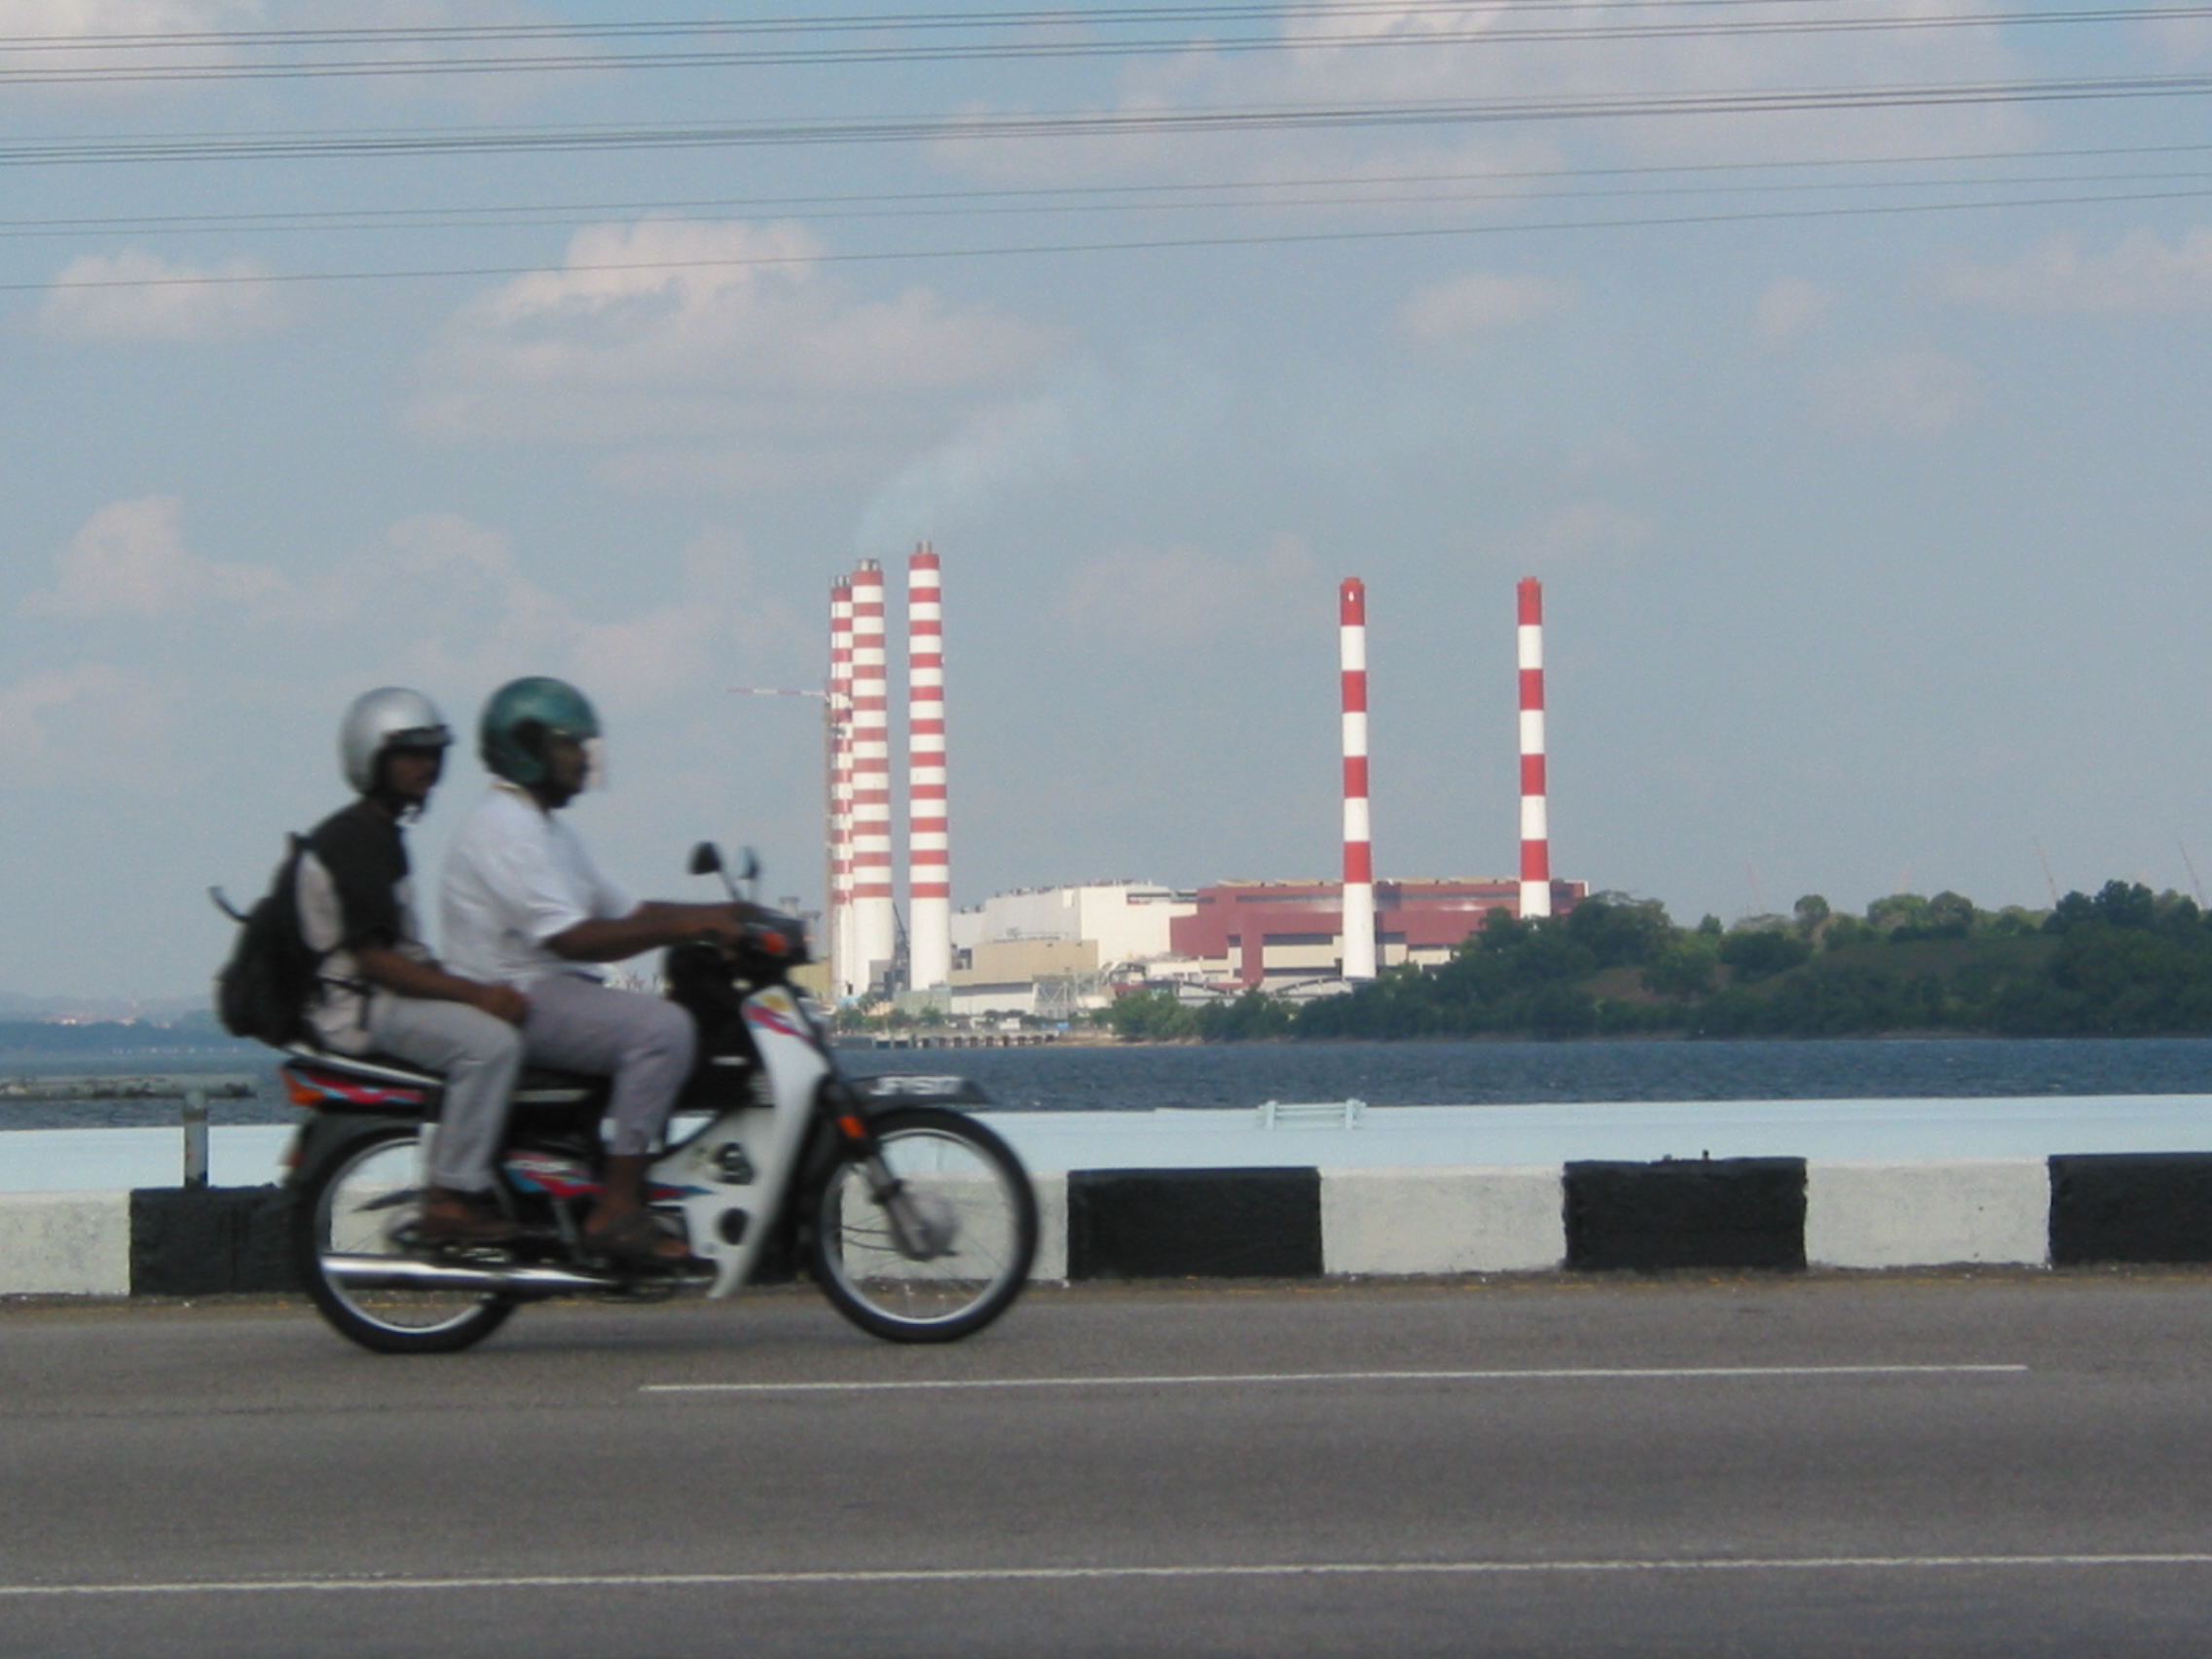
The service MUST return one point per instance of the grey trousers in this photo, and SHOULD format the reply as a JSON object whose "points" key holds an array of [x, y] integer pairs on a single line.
{"points": [[647, 1044], [479, 1057]]}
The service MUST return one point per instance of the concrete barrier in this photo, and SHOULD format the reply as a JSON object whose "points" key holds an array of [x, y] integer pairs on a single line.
{"points": [[1781, 1214], [1442, 1221], [1203, 1223], [65, 1244], [2132, 1207], [209, 1240], [1911, 1215], [1716, 1212], [1051, 1262]]}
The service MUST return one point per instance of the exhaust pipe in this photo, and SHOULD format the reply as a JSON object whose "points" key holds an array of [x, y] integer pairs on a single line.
{"points": [[401, 1273]]}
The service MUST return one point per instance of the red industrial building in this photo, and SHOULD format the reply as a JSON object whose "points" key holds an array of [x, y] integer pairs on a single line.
{"points": [[1262, 933]]}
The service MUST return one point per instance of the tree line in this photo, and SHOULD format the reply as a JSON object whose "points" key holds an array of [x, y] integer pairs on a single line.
{"points": [[2123, 961]]}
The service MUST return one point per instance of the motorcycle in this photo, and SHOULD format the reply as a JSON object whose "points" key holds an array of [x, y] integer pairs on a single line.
{"points": [[917, 1222]]}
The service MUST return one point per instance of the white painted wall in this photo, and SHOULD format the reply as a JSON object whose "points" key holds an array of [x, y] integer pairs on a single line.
{"points": [[1928, 1214], [1051, 1262], [1443, 1221], [1128, 921], [65, 1244]]}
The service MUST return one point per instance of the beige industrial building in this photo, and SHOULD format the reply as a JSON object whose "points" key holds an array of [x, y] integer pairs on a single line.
{"points": [[1053, 951]]}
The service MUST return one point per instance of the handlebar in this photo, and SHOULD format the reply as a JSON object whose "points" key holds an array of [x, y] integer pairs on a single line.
{"points": [[780, 938]]}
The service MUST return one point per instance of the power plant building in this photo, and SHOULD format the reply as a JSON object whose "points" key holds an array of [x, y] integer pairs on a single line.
{"points": [[1055, 949], [1260, 935], [1053, 952]]}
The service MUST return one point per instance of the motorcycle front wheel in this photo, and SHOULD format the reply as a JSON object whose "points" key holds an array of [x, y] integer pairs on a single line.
{"points": [[976, 1198], [359, 1205]]}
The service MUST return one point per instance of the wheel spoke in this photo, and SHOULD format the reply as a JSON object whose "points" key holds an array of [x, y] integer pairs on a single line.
{"points": [[368, 1205], [967, 1190]]}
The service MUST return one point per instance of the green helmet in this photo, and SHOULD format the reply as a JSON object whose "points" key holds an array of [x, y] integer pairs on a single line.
{"points": [[521, 715]]}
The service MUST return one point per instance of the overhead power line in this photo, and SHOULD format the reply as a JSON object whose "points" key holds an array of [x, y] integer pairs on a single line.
{"points": [[1518, 186], [1063, 20], [1415, 233], [1082, 124], [1208, 193], [558, 50]]}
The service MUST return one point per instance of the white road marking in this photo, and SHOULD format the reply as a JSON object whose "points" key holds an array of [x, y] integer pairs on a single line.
{"points": [[864, 1576], [1642, 1373]]}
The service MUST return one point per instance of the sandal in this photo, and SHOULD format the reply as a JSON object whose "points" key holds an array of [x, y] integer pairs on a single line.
{"points": [[450, 1217], [640, 1239]]}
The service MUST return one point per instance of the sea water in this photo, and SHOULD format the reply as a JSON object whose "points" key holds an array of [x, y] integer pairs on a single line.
{"points": [[1474, 1103]]}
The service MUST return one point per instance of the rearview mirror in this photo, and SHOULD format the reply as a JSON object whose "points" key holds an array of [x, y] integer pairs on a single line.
{"points": [[706, 859]]}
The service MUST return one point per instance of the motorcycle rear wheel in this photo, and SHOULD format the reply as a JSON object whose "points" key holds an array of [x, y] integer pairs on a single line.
{"points": [[966, 1172], [365, 1192]]}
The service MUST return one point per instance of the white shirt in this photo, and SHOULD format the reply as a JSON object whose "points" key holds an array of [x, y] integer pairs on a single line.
{"points": [[516, 877]]}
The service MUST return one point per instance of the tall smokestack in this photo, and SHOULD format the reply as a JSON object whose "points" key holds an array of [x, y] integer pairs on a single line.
{"points": [[1535, 823], [1359, 854], [839, 929], [929, 858], [875, 927]]}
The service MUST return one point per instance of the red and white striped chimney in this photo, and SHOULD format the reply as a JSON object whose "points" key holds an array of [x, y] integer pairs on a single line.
{"points": [[839, 929], [1359, 852], [929, 857], [876, 926], [1535, 823]]}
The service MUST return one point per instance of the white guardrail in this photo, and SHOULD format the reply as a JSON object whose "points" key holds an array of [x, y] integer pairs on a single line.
{"points": [[192, 1091]]}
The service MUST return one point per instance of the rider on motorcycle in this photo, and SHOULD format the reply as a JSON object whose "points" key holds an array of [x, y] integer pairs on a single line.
{"points": [[379, 987], [523, 904]]}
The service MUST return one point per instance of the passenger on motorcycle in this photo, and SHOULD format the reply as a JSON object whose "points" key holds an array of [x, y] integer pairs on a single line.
{"points": [[525, 904], [379, 986]]}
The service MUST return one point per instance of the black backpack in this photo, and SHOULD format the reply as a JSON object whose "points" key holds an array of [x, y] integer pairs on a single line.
{"points": [[264, 989]]}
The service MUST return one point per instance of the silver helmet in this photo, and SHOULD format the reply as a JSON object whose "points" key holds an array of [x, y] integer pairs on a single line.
{"points": [[386, 719]]}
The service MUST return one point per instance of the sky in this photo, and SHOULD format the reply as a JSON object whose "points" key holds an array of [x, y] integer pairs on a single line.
{"points": [[1839, 366]]}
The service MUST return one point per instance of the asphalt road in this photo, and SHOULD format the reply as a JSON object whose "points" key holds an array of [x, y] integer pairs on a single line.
{"points": [[1999, 1465]]}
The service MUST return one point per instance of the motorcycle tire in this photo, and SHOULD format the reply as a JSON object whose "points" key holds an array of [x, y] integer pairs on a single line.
{"points": [[964, 1173], [354, 1203]]}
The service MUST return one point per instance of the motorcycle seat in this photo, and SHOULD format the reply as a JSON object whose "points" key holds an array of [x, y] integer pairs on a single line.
{"points": [[537, 1086]]}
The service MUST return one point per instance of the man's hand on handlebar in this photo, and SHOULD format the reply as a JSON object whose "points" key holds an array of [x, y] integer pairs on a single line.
{"points": [[735, 923]]}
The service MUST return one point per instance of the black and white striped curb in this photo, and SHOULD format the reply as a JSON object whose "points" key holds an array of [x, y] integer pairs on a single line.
{"points": [[1776, 1213]]}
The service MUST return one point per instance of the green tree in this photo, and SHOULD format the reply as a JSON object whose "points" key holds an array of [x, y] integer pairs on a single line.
{"points": [[1951, 915], [1762, 954], [1254, 1015], [1688, 968], [1151, 1016], [1812, 912]]}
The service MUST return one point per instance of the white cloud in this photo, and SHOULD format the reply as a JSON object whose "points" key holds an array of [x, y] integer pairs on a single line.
{"points": [[135, 295], [130, 560], [447, 595], [97, 23], [1485, 52], [1479, 304], [680, 327], [2140, 275], [28, 708], [1124, 421], [1004, 449], [99, 724], [1920, 394], [1792, 305], [100, 42], [473, 613]]}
